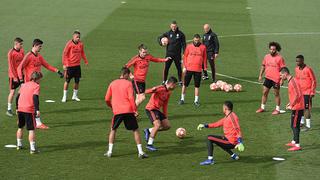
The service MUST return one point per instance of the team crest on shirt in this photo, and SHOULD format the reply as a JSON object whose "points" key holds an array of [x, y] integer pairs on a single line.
{"points": [[209, 37], [170, 35]]}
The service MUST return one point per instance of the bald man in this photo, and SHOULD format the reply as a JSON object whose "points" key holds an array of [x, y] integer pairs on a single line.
{"points": [[210, 40]]}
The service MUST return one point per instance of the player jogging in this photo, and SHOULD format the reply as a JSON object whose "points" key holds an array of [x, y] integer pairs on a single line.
{"points": [[32, 62], [159, 99], [27, 103], [308, 83], [140, 64], [296, 105], [232, 134], [71, 60], [15, 56], [120, 99], [195, 57], [271, 65]]}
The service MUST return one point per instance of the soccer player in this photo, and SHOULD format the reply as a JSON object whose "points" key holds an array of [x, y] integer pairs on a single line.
{"points": [[194, 57], [32, 62], [140, 63], [27, 103], [210, 40], [71, 60], [159, 99], [15, 56], [232, 134], [296, 105], [120, 99], [176, 46], [308, 83], [271, 65]]}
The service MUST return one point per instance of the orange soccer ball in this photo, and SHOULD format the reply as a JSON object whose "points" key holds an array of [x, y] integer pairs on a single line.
{"points": [[214, 87]]}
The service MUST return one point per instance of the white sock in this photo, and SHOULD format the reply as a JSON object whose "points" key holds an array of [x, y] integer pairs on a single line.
{"points": [[308, 123], [263, 106], [182, 97], [210, 157], [75, 93], [297, 145], [139, 146], [150, 130], [65, 92], [9, 106], [150, 141], [19, 142], [293, 142], [32, 145], [278, 108], [110, 148], [196, 98], [38, 121], [302, 120]]}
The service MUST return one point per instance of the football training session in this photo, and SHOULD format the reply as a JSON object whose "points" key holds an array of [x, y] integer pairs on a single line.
{"points": [[160, 89]]}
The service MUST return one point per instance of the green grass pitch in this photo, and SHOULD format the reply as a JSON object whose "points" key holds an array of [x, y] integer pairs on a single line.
{"points": [[73, 147]]}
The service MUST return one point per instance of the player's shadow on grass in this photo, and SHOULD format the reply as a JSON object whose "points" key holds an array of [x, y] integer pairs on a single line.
{"points": [[70, 146], [184, 146], [82, 109], [78, 123]]}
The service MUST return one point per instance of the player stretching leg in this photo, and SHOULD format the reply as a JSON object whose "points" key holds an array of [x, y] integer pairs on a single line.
{"points": [[232, 134], [32, 62], [159, 98], [308, 83], [271, 65], [71, 60], [120, 99], [27, 103], [15, 56], [296, 105], [140, 63]]}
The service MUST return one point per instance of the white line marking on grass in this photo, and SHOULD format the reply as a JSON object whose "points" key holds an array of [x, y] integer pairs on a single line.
{"points": [[248, 8], [268, 34]]}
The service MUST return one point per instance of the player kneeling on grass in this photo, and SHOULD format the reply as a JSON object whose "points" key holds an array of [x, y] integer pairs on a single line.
{"points": [[27, 103], [296, 104], [159, 98], [120, 99], [232, 134]]}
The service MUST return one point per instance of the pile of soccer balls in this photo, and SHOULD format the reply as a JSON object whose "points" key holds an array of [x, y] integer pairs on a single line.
{"points": [[224, 86]]}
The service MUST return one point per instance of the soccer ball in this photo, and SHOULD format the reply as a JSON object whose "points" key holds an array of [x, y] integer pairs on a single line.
{"points": [[214, 87], [237, 87], [227, 87], [222, 85], [181, 132], [219, 83], [164, 41]]}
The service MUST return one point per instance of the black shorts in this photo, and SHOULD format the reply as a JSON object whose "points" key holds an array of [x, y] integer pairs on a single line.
{"points": [[210, 55], [13, 84], [196, 77], [130, 121], [139, 87], [269, 83], [26, 119], [155, 115], [73, 72], [307, 101]]}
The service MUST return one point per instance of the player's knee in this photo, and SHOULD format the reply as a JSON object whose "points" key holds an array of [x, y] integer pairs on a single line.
{"points": [[76, 80], [157, 125]]}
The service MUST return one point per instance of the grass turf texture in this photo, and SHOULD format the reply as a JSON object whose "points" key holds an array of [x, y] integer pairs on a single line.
{"points": [[73, 148]]}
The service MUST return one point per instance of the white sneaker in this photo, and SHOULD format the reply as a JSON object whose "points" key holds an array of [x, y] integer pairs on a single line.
{"points": [[64, 99], [108, 154], [75, 98]]}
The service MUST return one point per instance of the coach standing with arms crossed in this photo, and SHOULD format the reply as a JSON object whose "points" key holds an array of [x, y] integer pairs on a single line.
{"points": [[210, 40], [176, 46]]}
